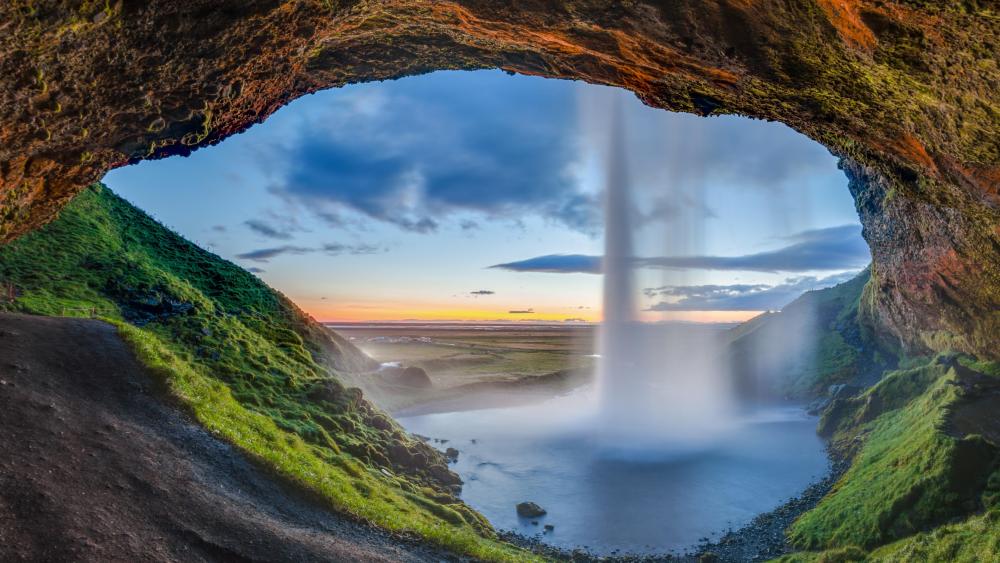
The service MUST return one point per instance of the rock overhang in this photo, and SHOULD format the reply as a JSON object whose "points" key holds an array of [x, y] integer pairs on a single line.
{"points": [[905, 92]]}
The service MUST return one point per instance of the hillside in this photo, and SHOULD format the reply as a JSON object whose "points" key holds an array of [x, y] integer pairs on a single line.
{"points": [[95, 466], [921, 434], [817, 341], [244, 361], [925, 469]]}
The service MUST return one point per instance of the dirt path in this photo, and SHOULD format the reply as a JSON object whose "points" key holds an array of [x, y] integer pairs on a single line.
{"points": [[94, 466]]}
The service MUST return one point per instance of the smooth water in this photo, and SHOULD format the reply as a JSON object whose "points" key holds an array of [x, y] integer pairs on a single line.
{"points": [[649, 502]]}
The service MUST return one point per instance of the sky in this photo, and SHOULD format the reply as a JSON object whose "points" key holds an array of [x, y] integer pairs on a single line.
{"points": [[474, 196]]}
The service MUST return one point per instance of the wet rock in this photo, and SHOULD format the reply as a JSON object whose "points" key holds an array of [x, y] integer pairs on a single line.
{"points": [[530, 510], [380, 422], [451, 454], [400, 455], [443, 475]]}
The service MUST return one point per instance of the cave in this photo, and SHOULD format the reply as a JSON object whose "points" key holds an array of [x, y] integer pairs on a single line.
{"points": [[903, 92]]}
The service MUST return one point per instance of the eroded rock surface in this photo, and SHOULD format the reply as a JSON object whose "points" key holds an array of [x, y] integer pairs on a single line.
{"points": [[905, 91]]}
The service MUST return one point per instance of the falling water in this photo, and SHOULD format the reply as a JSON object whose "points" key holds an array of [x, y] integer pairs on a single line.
{"points": [[663, 388]]}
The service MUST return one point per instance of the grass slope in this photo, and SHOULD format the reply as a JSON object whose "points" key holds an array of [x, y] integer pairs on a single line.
{"points": [[917, 489], [912, 480], [247, 363], [816, 341]]}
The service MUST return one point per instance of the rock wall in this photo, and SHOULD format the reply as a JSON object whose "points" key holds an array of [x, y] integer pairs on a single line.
{"points": [[905, 91]]}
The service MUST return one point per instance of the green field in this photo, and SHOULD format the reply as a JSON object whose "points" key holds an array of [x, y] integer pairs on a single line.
{"points": [[463, 360]]}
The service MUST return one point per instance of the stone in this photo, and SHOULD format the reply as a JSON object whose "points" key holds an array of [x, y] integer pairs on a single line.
{"points": [[530, 510]]}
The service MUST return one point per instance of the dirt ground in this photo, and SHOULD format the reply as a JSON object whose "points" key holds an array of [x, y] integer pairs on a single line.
{"points": [[95, 466]]}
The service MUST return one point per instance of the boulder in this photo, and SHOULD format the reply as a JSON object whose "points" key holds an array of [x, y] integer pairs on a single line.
{"points": [[530, 510]]}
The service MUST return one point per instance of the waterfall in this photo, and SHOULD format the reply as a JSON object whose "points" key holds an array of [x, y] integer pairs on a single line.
{"points": [[661, 387]]}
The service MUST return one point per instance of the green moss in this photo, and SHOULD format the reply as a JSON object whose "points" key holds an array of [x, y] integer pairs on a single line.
{"points": [[244, 361], [909, 474], [973, 540]]}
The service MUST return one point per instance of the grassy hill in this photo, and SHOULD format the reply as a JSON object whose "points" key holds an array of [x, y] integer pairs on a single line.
{"points": [[816, 341], [924, 482], [245, 362], [921, 434]]}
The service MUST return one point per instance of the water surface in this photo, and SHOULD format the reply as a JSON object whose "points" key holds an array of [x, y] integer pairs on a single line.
{"points": [[651, 500]]}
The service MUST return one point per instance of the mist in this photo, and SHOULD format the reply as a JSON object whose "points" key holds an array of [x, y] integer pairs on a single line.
{"points": [[662, 388]]}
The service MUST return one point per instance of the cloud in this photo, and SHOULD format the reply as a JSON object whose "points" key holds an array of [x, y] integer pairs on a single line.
{"points": [[256, 270], [425, 150], [739, 297], [555, 264], [219, 228], [833, 248], [332, 249], [264, 228], [265, 254], [482, 292], [336, 249], [521, 311]]}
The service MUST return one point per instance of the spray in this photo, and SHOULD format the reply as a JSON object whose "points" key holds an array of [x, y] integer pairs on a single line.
{"points": [[663, 389]]}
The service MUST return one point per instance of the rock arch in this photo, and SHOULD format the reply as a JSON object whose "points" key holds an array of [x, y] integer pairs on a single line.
{"points": [[904, 91]]}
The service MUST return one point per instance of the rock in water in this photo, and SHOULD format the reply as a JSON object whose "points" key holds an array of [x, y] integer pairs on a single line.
{"points": [[530, 510]]}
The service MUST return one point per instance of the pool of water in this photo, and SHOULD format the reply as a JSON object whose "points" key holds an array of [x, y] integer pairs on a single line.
{"points": [[640, 501]]}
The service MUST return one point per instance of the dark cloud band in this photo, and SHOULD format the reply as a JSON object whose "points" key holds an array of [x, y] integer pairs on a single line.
{"points": [[330, 249], [834, 248]]}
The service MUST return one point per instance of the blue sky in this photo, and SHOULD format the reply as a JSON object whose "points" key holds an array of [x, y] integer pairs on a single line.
{"points": [[476, 195]]}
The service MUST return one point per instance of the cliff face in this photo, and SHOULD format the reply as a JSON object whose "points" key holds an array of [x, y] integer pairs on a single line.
{"points": [[905, 91]]}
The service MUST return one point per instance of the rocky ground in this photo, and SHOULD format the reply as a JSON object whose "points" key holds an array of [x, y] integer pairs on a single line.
{"points": [[94, 466]]}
